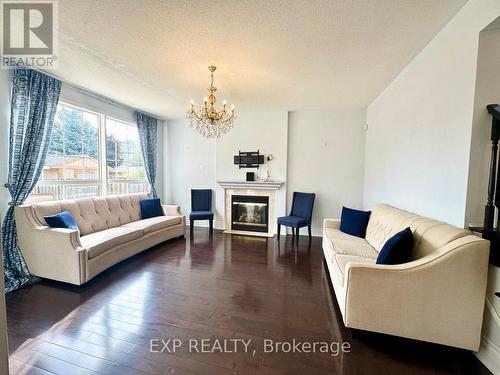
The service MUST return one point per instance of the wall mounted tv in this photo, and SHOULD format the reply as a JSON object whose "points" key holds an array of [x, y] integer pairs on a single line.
{"points": [[248, 159]]}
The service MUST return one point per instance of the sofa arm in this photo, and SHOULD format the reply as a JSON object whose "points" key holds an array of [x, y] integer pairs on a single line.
{"points": [[331, 223], [54, 253], [171, 210], [437, 298]]}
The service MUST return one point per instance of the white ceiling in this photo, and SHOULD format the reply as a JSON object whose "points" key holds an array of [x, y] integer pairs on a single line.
{"points": [[272, 55]]}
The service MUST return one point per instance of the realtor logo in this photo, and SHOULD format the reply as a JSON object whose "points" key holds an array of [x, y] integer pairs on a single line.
{"points": [[28, 33]]}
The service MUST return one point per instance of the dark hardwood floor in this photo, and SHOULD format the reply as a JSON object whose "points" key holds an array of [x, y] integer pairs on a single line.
{"points": [[211, 287]]}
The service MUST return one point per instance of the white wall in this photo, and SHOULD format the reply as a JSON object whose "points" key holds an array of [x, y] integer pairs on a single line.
{"points": [[314, 151], [418, 141], [191, 164], [263, 131], [326, 156]]}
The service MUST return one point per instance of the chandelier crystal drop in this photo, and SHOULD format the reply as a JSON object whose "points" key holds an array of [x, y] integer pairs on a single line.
{"points": [[208, 120]]}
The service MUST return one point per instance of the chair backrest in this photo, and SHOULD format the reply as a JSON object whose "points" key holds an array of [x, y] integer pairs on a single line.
{"points": [[302, 205], [201, 200]]}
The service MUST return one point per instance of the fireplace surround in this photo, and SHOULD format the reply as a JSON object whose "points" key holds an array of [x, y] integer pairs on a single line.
{"points": [[260, 193]]}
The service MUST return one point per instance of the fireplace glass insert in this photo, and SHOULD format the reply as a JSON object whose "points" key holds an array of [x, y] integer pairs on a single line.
{"points": [[250, 213]]}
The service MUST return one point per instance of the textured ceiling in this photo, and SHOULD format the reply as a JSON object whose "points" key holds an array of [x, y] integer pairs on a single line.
{"points": [[271, 55]]}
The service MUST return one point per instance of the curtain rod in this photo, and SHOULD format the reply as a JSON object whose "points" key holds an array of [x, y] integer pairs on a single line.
{"points": [[94, 94]]}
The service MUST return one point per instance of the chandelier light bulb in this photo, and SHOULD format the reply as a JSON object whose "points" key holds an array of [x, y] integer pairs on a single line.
{"points": [[208, 120]]}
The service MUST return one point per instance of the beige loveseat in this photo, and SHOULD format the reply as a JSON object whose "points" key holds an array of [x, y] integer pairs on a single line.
{"points": [[111, 230], [436, 297]]}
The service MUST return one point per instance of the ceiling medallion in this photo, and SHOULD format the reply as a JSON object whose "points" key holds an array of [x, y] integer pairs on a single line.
{"points": [[207, 120]]}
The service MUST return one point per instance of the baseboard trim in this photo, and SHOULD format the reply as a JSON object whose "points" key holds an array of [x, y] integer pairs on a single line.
{"points": [[204, 224], [315, 231], [489, 355]]}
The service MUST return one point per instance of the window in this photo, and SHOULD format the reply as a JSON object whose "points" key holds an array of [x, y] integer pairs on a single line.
{"points": [[75, 167], [125, 167]]}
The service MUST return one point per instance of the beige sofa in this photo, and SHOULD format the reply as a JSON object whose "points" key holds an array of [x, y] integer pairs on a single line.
{"points": [[436, 297], [111, 230]]}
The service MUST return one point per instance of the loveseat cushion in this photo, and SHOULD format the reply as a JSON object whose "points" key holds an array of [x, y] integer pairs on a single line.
{"points": [[361, 249], [347, 248], [332, 233], [99, 242], [155, 223]]}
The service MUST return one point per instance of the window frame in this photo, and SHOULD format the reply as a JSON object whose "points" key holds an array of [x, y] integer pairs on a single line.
{"points": [[103, 181]]}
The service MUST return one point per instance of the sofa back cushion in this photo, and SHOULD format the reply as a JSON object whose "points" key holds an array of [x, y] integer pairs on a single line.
{"points": [[94, 214], [428, 234]]}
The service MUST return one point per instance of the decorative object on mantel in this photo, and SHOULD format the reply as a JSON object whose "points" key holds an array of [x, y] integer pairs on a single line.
{"points": [[208, 121], [250, 176], [488, 230], [248, 159], [268, 174]]}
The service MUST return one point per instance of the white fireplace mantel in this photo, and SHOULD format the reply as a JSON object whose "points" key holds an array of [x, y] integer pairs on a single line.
{"points": [[267, 185], [255, 188]]}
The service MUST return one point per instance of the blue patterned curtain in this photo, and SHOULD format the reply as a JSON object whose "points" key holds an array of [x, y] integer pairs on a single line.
{"points": [[33, 107], [148, 134]]}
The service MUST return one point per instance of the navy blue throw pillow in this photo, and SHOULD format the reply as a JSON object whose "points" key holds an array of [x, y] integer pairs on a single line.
{"points": [[150, 208], [397, 249], [354, 222], [63, 219]]}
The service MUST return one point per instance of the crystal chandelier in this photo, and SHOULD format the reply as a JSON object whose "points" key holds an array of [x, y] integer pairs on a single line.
{"points": [[207, 120]]}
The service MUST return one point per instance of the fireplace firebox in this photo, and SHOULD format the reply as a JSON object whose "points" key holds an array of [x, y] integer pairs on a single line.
{"points": [[250, 213]]}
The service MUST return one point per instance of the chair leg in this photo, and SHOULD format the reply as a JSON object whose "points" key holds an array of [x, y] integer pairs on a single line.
{"points": [[297, 229], [309, 229], [211, 225], [279, 230], [191, 227]]}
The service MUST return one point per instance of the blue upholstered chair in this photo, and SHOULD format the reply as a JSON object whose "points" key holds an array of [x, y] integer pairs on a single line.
{"points": [[201, 207], [301, 214]]}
